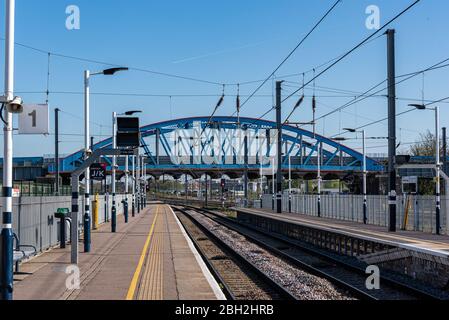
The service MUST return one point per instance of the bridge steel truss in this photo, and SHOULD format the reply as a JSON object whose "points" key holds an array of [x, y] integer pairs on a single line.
{"points": [[300, 148]]}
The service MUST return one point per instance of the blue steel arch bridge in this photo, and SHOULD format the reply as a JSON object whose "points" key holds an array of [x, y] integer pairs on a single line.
{"points": [[186, 146]]}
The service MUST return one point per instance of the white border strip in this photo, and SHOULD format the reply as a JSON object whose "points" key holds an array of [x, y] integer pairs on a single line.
{"points": [[210, 279]]}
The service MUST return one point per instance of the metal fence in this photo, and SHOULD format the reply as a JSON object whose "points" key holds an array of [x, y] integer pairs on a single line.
{"points": [[33, 189], [414, 212], [34, 221]]}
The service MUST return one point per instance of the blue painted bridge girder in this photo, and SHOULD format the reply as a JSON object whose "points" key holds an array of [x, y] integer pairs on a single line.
{"points": [[298, 144]]}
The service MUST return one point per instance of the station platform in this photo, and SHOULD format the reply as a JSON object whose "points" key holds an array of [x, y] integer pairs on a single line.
{"points": [[436, 245], [150, 258], [418, 256]]}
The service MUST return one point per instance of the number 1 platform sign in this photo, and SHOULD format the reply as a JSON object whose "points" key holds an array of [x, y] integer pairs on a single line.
{"points": [[34, 119]]}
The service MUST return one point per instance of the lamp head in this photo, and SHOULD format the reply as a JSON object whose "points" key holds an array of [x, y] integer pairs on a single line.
{"points": [[15, 106], [418, 106], [130, 113], [112, 71], [349, 130]]}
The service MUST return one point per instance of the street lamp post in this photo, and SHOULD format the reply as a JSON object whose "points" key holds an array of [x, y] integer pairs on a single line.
{"points": [[125, 202], [87, 151], [138, 183], [13, 105], [114, 164], [290, 183], [438, 168], [319, 179], [87, 238], [133, 205], [144, 184], [261, 184], [437, 163], [272, 182], [114, 168]]}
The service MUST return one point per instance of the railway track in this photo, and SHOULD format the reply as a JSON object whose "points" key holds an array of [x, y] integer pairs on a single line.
{"points": [[293, 283], [239, 278], [341, 273]]}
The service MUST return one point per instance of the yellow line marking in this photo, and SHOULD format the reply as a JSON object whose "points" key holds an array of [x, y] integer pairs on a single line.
{"points": [[133, 285]]}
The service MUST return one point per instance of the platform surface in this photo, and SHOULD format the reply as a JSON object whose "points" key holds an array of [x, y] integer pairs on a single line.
{"points": [[418, 241], [150, 258]]}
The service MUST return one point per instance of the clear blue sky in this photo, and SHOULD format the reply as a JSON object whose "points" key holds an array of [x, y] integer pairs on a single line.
{"points": [[227, 42]]}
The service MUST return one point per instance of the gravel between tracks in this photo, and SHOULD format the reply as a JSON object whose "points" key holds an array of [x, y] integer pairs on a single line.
{"points": [[241, 285], [303, 285]]}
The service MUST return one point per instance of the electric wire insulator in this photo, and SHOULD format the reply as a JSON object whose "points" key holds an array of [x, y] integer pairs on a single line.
{"points": [[300, 101], [220, 102], [313, 103]]}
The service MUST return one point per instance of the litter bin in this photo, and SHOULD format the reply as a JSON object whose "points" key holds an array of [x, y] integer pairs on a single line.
{"points": [[62, 214]]}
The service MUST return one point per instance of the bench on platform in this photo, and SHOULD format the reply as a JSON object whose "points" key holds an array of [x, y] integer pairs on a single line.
{"points": [[22, 252]]}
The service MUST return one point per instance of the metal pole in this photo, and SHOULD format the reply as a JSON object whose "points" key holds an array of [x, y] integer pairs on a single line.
{"points": [[133, 205], [91, 180], [114, 164], [279, 146], [138, 184], [444, 150], [74, 224], [205, 201], [57, 151], [289, 183], [273, 191], [125, 203], [319, 180], [391, 129], [7, 237], [86, 156], [141, 183], [445, 172], [261, 179], [144, 176], [438, 168], [245, 174], [365, 215], [185, 186]]}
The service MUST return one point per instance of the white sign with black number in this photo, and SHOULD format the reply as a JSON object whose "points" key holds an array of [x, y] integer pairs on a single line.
{"points": [[34, 119]]}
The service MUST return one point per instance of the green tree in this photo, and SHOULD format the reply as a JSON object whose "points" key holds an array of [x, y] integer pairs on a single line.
{"points": [[425, 147]]}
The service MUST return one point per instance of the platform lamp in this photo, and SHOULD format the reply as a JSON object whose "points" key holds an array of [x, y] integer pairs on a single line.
{"points": [[87, 151], [114, 168], [437, 161]]}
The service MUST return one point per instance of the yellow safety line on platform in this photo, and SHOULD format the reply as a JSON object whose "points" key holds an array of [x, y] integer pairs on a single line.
{"points": [[133, 285]]}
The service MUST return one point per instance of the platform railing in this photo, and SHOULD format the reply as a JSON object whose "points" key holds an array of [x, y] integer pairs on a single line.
{"points": [[414, 212], [34, 221]]}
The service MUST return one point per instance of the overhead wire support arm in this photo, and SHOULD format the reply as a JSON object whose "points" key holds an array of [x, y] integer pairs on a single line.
{"points": [[291, 52], [356, 46], [219, 103]]}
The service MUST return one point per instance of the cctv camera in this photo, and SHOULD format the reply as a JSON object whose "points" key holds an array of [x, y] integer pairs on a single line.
{"points": [[15, 106]]}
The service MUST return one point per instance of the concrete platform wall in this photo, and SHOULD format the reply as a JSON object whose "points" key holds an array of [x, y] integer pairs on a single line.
{"points": [[34, 221]]}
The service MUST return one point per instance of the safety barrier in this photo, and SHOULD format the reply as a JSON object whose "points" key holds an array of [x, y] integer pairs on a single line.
{"points": [[414, 212], [34, 221]]}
